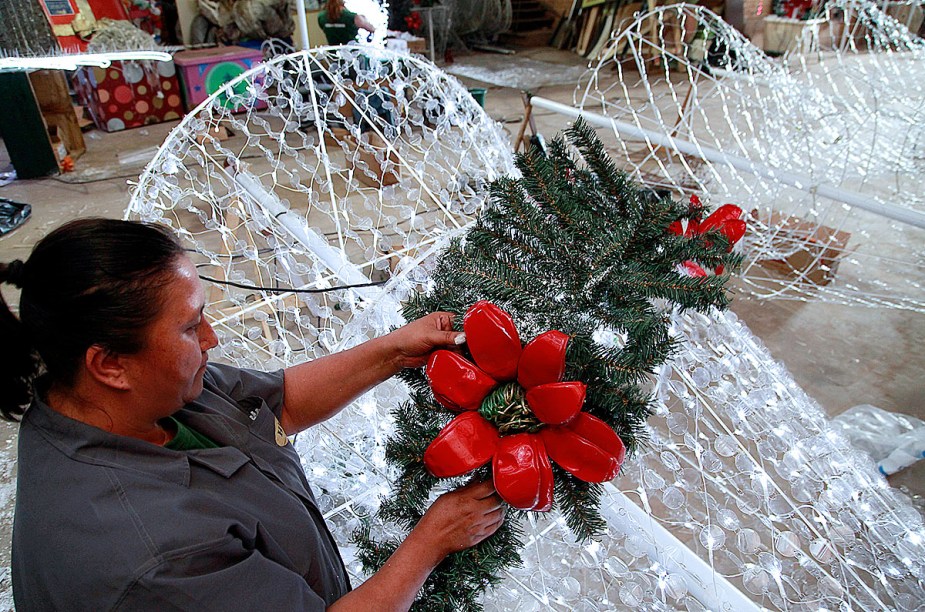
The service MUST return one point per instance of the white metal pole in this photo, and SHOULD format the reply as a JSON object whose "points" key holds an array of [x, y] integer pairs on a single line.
{"points": [[794, 179], [303, 23], [333, 258]]}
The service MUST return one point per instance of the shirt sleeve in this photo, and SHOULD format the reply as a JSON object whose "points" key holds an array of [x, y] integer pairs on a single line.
{"points": [[241, 384], [219, 576]]}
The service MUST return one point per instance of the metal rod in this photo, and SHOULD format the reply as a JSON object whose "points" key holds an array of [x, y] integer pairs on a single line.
{"points": [[794, 179], [303, 23]]}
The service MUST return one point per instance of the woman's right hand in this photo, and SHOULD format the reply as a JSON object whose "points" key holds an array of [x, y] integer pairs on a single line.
{"points": [[457, 520], [462, 518]]}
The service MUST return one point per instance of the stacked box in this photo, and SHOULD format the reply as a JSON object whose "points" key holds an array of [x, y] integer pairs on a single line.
{"points": [[814, 250], [130, 94], [205, 71]]}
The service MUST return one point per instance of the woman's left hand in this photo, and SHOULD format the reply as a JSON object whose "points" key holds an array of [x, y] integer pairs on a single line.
{"points": [[415, 341], [317, 390]]}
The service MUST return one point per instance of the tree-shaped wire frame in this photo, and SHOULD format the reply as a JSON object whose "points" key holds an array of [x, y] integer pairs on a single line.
{"points": [[717, 117], [350, 166]]}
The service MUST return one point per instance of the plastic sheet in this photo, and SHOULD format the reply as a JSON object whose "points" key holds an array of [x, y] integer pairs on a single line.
{"points": [[12, 215], [894, 441]]}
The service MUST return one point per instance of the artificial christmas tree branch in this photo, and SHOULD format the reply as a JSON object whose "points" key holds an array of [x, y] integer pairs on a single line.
{"points": [[571, 246]]}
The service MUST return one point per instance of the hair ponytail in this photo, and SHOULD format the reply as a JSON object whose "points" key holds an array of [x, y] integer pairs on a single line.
{"points": [[334, 9], [19, 362]]}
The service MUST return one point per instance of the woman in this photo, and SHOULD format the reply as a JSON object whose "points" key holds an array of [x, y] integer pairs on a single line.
{"points": [[151, 479], [341, 26]]}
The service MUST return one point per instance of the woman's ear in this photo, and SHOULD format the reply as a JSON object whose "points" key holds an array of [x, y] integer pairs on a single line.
{"points": [[106, 367]]}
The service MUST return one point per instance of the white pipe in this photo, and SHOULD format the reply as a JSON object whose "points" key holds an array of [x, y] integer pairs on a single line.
{"points": [[800, 181], [333, 258], [72, 62], [303, 24], [709, 587]]}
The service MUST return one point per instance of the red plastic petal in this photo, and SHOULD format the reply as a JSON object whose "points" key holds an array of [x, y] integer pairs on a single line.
{"points": [[693, 228], [493, 340], [557, 403], [457, 383], [522, 473], [467, 442], [689, 268], [726, 212], [675, 228], [544, 500], [543, 359], [733, 230], [600, 433], [587, 448]]}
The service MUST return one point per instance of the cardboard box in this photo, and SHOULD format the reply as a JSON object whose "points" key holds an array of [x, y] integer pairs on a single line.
{"points": [[367, 153], [783, 34], [417, 45], [54, 100], [130, 94], [815, 250], [373, 148], [205, 71], [218, 133]]}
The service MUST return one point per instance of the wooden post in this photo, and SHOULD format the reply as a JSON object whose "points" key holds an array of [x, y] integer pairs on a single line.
{"points": [[528, 110]]}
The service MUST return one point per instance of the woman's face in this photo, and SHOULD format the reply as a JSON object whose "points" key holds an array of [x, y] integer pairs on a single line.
{"points": [[168, 371]]}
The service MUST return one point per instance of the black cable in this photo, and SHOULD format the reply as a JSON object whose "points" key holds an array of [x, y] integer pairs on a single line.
{"points": [[289, 289]]}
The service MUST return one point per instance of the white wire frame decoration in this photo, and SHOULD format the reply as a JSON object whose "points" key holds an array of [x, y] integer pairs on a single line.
{"points": [[742, 499], [835, 195], [867, 59], [486, 18]]}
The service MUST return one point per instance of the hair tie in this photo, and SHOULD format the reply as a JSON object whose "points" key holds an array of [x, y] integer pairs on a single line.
{"points": [[15, 273]]}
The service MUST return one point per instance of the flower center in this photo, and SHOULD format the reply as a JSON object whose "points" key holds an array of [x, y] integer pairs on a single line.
{"points": [[506, 407]]}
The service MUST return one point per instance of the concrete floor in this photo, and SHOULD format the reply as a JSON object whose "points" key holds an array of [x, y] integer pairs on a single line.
{"points": [[842, 356]]}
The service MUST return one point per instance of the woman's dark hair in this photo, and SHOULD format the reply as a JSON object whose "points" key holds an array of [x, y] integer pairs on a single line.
{"points": [[334, 9], [89, 282]]}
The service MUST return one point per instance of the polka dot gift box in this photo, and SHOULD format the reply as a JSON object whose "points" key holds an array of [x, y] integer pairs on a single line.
{"points": [[130, 94]]}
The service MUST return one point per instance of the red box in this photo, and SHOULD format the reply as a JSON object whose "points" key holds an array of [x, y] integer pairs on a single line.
{"points": [[72, 21], [130, 94], [205, 71]]}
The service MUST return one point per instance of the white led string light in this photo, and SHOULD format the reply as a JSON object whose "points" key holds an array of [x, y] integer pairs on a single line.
{"points": [[74, 61], [762, 504], [809, 160]]}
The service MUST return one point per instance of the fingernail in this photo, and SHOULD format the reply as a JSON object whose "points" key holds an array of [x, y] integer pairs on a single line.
{"points": [[460, 339]]}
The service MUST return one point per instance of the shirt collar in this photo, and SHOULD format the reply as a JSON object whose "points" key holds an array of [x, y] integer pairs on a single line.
{"points": [[87, 444]]}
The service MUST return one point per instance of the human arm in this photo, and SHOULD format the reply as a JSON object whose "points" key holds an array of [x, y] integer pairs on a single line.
{"points": [[456, 521], [361, 21], [317, 390]]}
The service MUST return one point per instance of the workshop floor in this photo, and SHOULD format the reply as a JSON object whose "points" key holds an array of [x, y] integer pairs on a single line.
{"points": [[842, 356]]}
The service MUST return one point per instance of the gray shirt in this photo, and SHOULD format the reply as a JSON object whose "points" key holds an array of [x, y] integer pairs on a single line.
{"points": [[107, 522]]}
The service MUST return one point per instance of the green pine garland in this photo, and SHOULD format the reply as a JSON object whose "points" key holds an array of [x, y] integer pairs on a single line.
{"points": [[573, 245]]}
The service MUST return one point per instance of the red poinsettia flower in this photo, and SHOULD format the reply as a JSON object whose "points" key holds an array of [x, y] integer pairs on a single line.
{"points": [[516, 412], [414, 21], [727, 219]]}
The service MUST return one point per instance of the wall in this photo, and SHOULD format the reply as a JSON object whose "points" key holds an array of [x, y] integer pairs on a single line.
{"points": [[558, 8]]}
